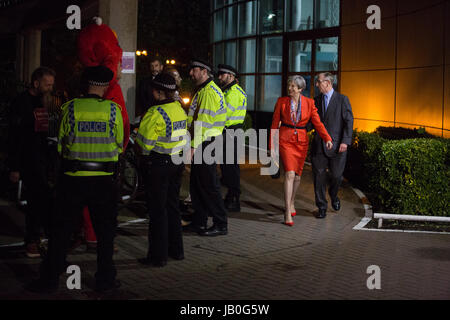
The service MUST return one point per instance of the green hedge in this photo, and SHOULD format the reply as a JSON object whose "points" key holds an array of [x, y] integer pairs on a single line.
{"points": [[409, 176], [415, 178]]}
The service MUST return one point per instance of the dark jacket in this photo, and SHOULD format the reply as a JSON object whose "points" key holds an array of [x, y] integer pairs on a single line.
{"points": [[27, 148], [145, 95], [338, 121]]}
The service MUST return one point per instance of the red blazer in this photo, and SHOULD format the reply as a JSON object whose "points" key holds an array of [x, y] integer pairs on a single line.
{"points": [[282, 114]]}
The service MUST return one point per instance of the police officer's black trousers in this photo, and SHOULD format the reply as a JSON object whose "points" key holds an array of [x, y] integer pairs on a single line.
{"points": [[99, 194], [206, 195], [231, 173], [163, 183], [39, 202]]}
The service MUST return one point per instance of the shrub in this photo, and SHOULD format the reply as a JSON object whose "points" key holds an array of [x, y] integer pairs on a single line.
{"points": [[398, 133], [414, 177]]}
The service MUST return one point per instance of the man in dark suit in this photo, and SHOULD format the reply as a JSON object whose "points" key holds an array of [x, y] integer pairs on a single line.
{"points": [[336, 114]]}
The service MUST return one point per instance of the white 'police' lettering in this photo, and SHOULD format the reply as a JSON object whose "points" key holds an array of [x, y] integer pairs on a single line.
{"points": [[91, 126], [179, 125]]}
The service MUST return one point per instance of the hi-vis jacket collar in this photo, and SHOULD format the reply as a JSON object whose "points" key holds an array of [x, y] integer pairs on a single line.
{"points": [[228, 86]]}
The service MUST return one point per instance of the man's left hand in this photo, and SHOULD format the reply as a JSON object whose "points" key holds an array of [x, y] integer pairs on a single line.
{"points": [[343, 147]]}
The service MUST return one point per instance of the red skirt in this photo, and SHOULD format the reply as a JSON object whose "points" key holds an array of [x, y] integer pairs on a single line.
{"points": [[293, 155]]}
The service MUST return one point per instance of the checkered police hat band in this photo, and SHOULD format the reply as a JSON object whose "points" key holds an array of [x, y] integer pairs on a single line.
{"points": [[201, 65], [167, 86], [98, 83], [227, 71]]}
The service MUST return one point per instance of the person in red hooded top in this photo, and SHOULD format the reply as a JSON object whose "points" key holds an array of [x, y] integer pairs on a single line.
{"points": [[98, 45]]}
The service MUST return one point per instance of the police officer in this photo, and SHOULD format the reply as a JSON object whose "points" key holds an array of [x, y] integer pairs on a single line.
{"points": [[206, 121], [236, 100], [90, 141], [162, 134]]}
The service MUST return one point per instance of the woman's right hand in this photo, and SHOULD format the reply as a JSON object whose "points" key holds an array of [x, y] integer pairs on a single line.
{"points": [[329, 145]]}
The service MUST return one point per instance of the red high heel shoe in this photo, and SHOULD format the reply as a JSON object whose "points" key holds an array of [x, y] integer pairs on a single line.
{"points": [[293, 214], [290, 224]]}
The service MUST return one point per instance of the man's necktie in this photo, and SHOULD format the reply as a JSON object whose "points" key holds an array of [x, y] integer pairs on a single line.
{"points": [[325, 103]]}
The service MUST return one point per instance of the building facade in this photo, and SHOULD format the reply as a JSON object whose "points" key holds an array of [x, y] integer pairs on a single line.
{"points": [[394, 76]]}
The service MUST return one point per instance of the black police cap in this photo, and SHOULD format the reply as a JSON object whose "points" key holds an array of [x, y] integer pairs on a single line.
{"points": [[224, 68], [201, 64], [164, 81], [98, 75]]}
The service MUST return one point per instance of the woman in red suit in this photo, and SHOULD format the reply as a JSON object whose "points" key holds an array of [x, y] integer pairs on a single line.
{"points": [[291, 116]]}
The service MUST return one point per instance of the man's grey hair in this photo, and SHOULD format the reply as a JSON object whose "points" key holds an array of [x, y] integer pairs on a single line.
{"points": [[298, 80], [328, 76]]}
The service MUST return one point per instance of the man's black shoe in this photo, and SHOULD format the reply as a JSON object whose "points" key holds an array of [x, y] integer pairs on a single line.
{"points": [[193, 228], [41, 286], [102, 288], [322, 214], [179, 256], [336, 204], [215, 231], [150, 262]]}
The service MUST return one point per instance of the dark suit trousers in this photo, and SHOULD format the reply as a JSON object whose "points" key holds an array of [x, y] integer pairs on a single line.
{"points": [[206, 195], [231, 173], [163, 183], [336, 166]]}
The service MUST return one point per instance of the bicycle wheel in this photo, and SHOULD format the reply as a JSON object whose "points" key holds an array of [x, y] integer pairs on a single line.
{"points": [[128, 179]]}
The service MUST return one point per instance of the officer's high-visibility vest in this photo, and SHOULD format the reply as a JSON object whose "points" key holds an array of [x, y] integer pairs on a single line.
{"points": [[91, 130], [163, 129], [236, 100], [212, 113]]}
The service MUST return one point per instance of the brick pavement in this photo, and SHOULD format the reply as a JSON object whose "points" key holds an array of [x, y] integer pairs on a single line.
{"points": [[260, 258]]}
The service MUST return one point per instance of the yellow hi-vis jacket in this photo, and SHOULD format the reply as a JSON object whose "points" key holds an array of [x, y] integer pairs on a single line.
{"points": [[91, 129], [163, 129], [209, 105], [236, 100]]}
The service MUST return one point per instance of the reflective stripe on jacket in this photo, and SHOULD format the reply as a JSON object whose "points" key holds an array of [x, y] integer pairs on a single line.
{"points": [[236, 100], [163, 129], [212, 113], [91, 129]]}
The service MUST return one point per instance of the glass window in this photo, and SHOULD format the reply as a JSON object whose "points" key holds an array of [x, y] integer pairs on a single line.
{"points": [[230, 22], [247, 56], [300, 15], [218, 4], [218, 25], [327, 13], [247, 18], [270, 91], [300, 56], [230, 53], [271, 55], [327, 54], [248, 84], [271, 15], [218, 54]]}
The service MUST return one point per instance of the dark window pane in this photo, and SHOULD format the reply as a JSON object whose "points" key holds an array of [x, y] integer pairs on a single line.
{"points": [[327, 54], [247, 18], [218, 25], [300, 15], [300, 56], [271, 15], [230, 22], [327, 13], [230, 53], [270, 91], [218, 54], [247, 56], [271, 55]]}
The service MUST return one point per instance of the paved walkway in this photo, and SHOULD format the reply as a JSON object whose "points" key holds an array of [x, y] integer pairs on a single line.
{"points": [[260, 258]]}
